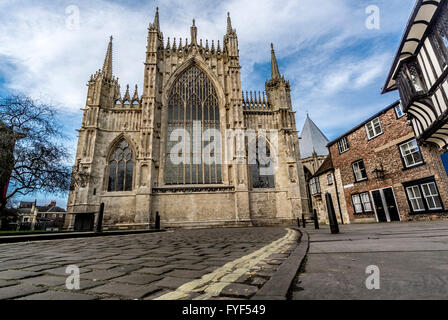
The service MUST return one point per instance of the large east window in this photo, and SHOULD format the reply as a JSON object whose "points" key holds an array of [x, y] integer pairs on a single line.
{"points": [[193, 151], [121, 168], [411, 154], [423, 196], [359, 170], [374, 128]]}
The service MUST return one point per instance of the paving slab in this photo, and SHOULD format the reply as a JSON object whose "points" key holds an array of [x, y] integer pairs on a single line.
{"points": [[158, 270], [238, 290], [17, 274], [172, 283], [49, 281], [125, 290], [138, 278], [101, 275], [18, 291], [189, 274], [59, 295]]}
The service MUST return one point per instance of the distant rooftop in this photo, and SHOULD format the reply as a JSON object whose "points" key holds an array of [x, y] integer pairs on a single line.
{"points": [[393, 105], [312, 140]]}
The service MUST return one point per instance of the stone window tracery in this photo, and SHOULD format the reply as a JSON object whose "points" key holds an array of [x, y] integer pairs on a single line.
{"points": [[193, 108], [121, 168]]}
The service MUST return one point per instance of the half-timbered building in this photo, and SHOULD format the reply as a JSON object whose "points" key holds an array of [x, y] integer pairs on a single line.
{"points": [[420, 69]]}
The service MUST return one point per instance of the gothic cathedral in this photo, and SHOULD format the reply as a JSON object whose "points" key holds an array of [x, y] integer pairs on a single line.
{"points": [[193, 147]]}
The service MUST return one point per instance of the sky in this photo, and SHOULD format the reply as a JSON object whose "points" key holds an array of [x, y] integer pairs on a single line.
{"points": [[336, 64]]}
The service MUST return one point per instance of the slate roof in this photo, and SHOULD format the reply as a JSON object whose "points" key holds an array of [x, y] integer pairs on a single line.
{"points": [[326, 166], [312, 139]]}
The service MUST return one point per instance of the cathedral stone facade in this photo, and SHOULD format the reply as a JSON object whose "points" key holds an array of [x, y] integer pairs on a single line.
{"points": [[216, 172]]}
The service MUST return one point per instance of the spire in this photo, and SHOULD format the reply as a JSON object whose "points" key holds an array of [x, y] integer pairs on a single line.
{"points": [[156, 23], [194, 34], [127, 96], [275, 73], [168, 46], [313, 140], [135, 96], [229, 24], [107, 67]]}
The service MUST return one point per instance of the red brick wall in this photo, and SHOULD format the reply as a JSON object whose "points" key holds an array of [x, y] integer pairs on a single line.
{"points": [[370, 151]]}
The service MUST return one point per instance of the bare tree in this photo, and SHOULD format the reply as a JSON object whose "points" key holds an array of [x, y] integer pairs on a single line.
{"points": [[32, 152]]}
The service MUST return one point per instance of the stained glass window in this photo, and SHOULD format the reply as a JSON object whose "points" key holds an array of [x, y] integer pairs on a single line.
{"points": [[121, 168], [193, 156]]}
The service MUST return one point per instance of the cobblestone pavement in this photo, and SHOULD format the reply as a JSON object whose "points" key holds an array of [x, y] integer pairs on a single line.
{"points": [[185, 264], [412, 260]]}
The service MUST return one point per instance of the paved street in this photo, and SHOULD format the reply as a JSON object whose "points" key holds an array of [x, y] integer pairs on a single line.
{"points": [[412, 259], [183, 264]]}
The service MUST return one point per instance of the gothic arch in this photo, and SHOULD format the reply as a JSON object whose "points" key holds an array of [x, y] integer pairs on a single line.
{"points": [[204, 68], [118, 139], [121, 165]]}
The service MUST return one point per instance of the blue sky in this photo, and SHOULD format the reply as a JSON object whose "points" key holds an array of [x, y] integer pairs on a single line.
{"points": [[335, 64]]}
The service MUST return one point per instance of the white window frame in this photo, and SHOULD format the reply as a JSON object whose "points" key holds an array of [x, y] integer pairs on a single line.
{"points": [[414, 198], [315, 186], [404, 154], [373, 128], [359, 170], [363, 201], [400, 108], [431, 196], [343, 145], [358, 202]]}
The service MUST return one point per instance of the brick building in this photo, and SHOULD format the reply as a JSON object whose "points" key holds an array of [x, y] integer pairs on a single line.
{"points": [[386, 175]]}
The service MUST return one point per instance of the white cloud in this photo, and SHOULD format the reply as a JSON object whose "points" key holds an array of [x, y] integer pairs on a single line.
{"points": [[52, 61], [353, 74]]}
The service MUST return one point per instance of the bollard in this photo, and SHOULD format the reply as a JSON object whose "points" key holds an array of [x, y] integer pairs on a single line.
{"points": [[157, 226], [332, 215], [316, 220], [298, 222], [303, 220], [99, 224]]}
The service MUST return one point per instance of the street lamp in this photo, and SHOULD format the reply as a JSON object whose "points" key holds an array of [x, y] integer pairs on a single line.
{"points": [[379, 173]]}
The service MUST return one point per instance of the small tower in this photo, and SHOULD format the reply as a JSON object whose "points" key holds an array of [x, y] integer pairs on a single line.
{"points": [[103, 85], [231, 41], [277, 88]]}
